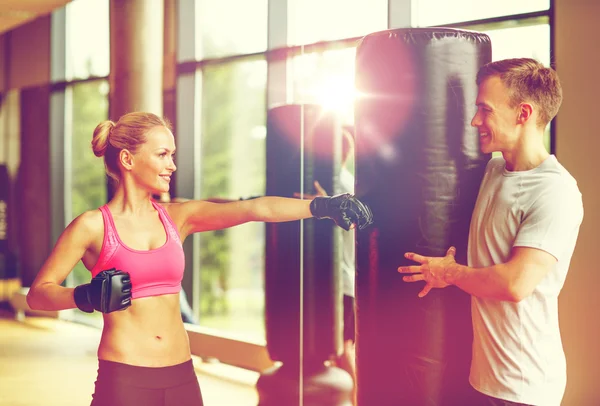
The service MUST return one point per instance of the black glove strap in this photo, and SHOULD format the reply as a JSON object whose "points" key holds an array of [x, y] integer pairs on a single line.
{"points": [[318, 207], [81, 299]]}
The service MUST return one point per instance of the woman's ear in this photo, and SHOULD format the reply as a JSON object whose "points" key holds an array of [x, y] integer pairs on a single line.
{"points": [[126, 159]]}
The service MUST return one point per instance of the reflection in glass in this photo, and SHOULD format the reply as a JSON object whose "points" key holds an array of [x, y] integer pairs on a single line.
{"points": [[317, 20], [88, 186], [231, 268], [437, 12], [229, 27], [87, 39]]}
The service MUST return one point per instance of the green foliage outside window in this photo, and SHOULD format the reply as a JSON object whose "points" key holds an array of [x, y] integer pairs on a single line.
{"points": [[233, 165], [88, 188]]}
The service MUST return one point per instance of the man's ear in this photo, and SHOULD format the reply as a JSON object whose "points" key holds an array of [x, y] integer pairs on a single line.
{"points": [[126, 159], [525, 113]]}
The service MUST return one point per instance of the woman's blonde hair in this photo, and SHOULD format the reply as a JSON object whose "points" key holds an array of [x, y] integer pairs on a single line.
{"points": [[128, 133]]}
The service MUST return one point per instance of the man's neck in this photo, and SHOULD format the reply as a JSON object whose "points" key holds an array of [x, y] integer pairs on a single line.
{"points": [[529, 153]]}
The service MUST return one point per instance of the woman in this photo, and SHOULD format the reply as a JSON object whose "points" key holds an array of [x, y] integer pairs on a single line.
{"points": [[132, 246]]}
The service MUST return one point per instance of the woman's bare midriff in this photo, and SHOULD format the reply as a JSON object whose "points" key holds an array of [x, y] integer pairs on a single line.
{"points": [[148, 333]]}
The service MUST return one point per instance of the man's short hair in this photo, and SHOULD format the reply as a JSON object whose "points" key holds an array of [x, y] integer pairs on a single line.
{"points": [[528, 81]]}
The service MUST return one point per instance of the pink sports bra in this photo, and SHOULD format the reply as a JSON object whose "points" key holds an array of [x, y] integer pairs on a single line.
{"points": [[153, 272]]}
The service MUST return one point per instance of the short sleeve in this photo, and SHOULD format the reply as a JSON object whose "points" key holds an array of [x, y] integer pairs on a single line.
{"points": [[552, 222]]}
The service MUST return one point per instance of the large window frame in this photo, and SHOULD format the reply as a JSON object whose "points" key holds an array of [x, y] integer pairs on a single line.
{"points": [[253, 355], [207, 342], [61, 139]]}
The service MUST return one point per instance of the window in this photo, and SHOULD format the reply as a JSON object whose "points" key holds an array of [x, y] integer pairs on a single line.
{"points": [[438, 12], [229, 27], [231, 265], [326, 78], [88, 179], [233, 108], [316, 20], [86, 54], [80, 51], [521, 42], [87, 48]]}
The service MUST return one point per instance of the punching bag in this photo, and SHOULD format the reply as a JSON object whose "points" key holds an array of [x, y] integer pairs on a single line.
{"points": [[6, 269], [301, 262], [419, 167], [4, 198]]}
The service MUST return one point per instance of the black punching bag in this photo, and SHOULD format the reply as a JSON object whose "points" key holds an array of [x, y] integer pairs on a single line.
{"points": [[7, 268], [419, 167], [294, 131]]}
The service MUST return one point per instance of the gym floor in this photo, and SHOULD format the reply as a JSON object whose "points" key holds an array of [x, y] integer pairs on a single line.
{"points": [[50, 362]]}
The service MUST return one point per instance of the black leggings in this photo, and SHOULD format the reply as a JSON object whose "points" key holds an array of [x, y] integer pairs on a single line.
{"points": [[128, 385]]}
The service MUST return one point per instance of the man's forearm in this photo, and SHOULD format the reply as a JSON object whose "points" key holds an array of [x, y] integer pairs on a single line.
{"points": [[492, 282]]}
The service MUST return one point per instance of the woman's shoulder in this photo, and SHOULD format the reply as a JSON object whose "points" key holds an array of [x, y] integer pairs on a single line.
{"points": [[182, 210], [173, 209], [89, 221]]}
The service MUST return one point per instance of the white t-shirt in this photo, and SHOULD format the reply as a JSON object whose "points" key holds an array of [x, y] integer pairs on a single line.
{"points": [[517, 349], [348, 249]]}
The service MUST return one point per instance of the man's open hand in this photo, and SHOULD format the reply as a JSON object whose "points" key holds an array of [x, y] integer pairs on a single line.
{"points": [[435, 271]]}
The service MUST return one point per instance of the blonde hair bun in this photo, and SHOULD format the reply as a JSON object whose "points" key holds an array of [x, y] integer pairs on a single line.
{"points": [[100, 139]]}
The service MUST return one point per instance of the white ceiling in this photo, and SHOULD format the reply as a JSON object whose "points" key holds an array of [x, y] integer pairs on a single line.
{"points": [[14, 13]]}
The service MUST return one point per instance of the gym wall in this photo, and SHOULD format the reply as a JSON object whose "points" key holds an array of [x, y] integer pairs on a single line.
{"points": [[577, 144]]}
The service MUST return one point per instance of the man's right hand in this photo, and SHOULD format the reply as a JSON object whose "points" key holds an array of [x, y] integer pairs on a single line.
{"points": [[108, 291]]}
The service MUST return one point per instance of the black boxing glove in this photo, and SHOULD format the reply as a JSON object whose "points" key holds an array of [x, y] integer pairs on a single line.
{"points": [[108, 291], [343, 209]]}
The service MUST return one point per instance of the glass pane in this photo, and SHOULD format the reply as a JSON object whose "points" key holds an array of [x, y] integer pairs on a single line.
{"points": [[317, 20], [88, 188], [437, 12], [87, 39], [521, 42], [229, 27], [326, 78], [233, 158]]}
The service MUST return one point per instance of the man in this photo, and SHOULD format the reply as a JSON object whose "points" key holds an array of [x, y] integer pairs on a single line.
{"points": [[522, 235]]}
